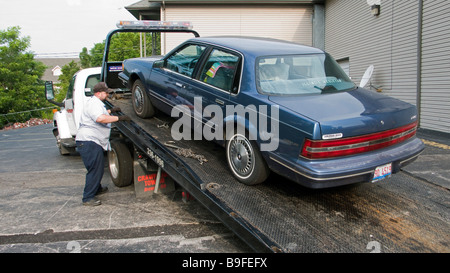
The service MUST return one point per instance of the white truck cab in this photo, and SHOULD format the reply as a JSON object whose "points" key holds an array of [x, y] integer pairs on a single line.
{"points": [[67, 120]]}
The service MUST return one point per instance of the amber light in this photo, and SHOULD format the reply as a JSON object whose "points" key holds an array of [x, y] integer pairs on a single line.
{"points": [[322, 149]]}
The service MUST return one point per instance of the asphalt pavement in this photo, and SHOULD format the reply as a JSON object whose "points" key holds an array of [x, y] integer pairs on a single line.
{"points": [[41, 209]]}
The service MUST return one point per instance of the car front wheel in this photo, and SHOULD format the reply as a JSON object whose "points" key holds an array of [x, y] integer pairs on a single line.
{"points": [[141, 102]]}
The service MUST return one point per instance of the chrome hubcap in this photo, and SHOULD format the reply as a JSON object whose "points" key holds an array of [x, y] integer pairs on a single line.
{"points": [[138, 101], [241, 155]]}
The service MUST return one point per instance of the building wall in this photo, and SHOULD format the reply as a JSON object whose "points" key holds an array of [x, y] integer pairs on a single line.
{"points": [[390, 42]]}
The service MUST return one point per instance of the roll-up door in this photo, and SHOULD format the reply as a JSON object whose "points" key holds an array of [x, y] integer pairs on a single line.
{"points": [[291, 23], [435, 95]]}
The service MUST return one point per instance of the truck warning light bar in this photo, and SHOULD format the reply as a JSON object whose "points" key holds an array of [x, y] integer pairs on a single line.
{"points": [[154, 25]]}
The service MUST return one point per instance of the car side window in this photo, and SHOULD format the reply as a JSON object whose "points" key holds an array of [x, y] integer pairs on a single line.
{"points": [[184, 60], [221, 69]]}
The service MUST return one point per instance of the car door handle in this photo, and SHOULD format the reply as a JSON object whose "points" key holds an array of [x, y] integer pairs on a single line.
{"points": [[220, 102], [180, 85]]}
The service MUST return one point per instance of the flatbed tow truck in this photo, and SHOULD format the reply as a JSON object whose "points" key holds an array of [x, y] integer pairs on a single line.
{"points": [[278, 215]]}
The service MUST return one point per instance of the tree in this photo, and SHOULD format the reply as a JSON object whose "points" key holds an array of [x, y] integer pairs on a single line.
{"points": [[21, 87], [85, 58], [97, 54], [123, 46], [68, 71]]}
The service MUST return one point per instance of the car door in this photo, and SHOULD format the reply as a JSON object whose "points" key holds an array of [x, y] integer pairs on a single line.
{"points": [[217, 80], [170, 82]]}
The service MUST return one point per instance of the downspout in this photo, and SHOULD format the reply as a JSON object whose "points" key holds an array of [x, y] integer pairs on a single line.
{"points": [[140, 37], [164, 19], [419, 61], [318, 26]]}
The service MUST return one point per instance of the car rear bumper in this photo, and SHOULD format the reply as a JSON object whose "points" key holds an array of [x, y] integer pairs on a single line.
{"points": [[346, 170]]}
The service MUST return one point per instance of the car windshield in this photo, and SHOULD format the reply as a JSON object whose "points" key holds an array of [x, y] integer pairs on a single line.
{"points": [[301, 75]]}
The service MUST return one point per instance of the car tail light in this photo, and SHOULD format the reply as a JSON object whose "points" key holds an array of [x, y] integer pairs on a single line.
{"points": [[322, 149]]}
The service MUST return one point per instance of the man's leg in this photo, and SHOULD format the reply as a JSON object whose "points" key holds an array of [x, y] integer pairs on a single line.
{"points": [[93, 159]]}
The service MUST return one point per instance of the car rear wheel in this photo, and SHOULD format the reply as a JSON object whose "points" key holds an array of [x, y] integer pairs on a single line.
{"points": [[245, 160], [141, 102]]}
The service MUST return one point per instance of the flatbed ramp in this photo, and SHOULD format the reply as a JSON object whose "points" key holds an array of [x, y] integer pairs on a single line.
{"points": [[395, 215]]}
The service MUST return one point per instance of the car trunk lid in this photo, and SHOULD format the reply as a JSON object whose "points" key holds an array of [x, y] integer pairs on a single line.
{"points": [[353, 113]]}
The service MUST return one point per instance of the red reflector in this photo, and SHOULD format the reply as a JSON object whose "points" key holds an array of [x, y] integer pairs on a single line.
{"points": [[319, 149]]}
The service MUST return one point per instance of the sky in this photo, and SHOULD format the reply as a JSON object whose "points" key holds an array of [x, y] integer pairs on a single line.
{"points": [[61, 28]]}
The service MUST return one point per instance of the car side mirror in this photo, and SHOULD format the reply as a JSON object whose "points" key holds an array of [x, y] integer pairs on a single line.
{"points": [[50, 94], [158, 64]]}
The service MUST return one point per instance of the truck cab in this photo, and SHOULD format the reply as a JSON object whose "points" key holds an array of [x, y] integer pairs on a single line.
{"points": [[66, 121]]}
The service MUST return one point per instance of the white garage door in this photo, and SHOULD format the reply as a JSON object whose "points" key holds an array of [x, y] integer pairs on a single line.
{"points": [[291, 23]]}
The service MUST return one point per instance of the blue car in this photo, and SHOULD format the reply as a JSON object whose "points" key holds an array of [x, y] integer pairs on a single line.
{"points": [[276, 106]]}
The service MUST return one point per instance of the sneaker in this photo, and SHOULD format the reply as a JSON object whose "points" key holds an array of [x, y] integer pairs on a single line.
{"points": [[92, 202], [101, 190]]}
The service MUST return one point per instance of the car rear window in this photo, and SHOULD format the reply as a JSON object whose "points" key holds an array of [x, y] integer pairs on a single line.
{"points": [[301, 75]]}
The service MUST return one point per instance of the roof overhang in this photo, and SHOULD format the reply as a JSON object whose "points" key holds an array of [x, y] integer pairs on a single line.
{"points": [[150, 9]]}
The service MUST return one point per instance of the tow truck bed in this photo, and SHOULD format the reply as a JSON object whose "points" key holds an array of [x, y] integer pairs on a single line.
{"points": [[281, 216]]}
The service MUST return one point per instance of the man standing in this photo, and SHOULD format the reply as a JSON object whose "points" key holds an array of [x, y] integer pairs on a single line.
{"points": [[93, 138]]}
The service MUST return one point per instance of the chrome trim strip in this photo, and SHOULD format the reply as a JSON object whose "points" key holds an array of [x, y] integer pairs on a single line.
{"points": [[360, 145]]}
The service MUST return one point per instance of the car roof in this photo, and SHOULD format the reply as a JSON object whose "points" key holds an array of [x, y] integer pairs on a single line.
{"points": [[259, 46]]}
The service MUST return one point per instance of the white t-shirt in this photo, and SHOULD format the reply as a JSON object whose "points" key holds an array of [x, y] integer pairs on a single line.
{"points": [[90, 130]]}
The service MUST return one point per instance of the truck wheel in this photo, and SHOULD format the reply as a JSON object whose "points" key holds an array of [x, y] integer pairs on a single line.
{"points": [[120, 164], [245, 160], [141, 102]]}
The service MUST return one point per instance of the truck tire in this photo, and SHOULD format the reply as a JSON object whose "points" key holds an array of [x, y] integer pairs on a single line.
{"points": [[245, 160], [141, 102], [120, 164]]}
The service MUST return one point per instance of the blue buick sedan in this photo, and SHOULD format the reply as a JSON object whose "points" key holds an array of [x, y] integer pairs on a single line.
{"points": [[276, 106]]}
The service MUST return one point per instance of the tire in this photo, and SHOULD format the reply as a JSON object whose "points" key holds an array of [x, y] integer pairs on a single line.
{"points": [[141, 102], [120, 164], [245, 160]]}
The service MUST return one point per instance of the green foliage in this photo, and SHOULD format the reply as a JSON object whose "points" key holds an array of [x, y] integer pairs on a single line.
{"points": [[97, 54], [21, 87], [123, 46], [85, 58], [68, 71]]}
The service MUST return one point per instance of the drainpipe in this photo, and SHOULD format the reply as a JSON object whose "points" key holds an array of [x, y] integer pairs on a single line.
{"points": [[164, 19], [140, 37], [318, 27], [419, 60]]}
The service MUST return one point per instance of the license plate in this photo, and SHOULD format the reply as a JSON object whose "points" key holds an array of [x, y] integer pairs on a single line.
{"points": [[382, 172]]}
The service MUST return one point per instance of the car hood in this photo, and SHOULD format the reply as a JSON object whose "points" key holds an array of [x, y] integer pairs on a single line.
{"points": [[352, 113]]}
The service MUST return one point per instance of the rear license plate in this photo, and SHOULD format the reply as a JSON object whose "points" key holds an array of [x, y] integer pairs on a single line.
{"points": [[382, 172]]}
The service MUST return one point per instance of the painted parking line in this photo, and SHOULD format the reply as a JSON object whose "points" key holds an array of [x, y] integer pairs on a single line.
{"points": [[436, 144]]}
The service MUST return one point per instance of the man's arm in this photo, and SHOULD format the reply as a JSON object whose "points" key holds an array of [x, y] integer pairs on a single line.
{"points": [[107, 119]]}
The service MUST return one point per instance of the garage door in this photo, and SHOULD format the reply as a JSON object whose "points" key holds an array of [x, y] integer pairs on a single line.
{"points": [[435, 104], [291, 23]]}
